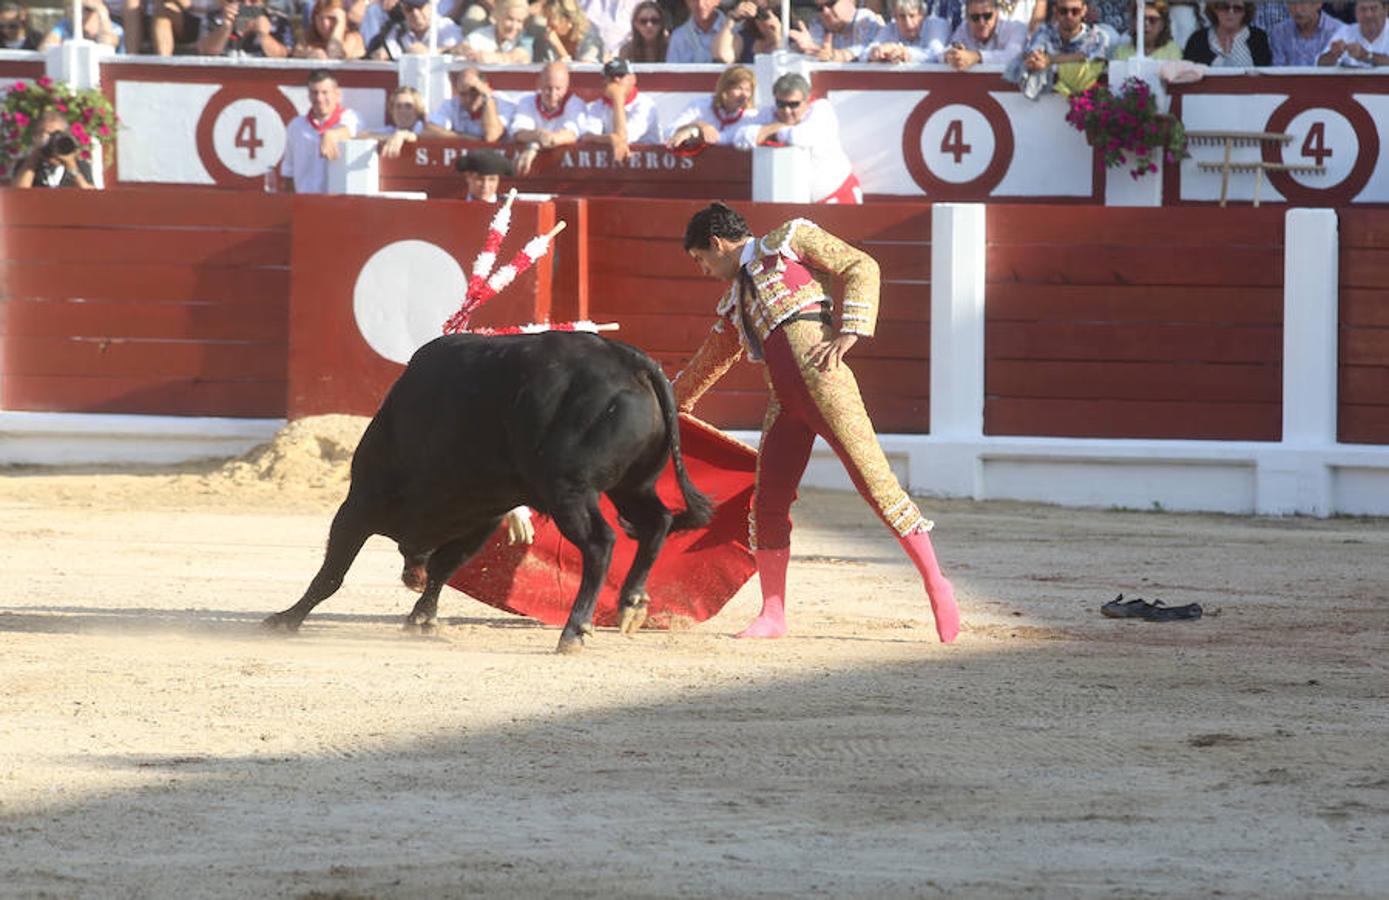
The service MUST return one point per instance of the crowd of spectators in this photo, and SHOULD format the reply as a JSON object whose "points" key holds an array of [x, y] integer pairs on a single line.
{"points": [[1041, 43]]}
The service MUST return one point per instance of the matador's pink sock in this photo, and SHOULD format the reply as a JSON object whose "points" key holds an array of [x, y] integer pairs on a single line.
{"points": [[938, 587], [771, 574]]}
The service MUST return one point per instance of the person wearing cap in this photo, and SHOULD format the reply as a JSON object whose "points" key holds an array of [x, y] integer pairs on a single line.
{"points": [[473, 111], [715, 119], [551, 117], [483, 170], [623, 115], [798, 120], [412, 34]]}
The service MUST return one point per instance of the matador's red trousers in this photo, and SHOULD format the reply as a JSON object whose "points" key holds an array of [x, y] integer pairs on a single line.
{"points": [[807, 402]]}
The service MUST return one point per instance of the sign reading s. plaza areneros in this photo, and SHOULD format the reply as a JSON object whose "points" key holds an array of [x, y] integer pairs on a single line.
{"points": [[571, 157]]}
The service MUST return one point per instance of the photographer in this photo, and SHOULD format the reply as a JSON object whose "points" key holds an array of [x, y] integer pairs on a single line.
{"points": [[748, 29], [406, 30], [247, 26], [53, 162]]}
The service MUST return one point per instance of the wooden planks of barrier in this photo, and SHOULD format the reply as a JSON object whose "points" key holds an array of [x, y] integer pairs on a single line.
{"points": [[1364, 317]]}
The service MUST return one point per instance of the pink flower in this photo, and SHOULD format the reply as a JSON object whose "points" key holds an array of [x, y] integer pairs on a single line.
{"points": [[43, 81], [103, 131], [19, 87], [60, 107], [87, 114], [21, 120], [80, 133]]}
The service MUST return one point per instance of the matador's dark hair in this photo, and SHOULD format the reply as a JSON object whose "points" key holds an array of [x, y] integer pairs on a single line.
{"points": [[714, 220]]}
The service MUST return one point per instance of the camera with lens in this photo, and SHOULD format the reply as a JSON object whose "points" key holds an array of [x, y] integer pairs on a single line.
{"points": [[59, 143]]}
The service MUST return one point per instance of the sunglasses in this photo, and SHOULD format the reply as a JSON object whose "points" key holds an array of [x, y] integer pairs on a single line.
{"points": [[980, 17], [651, 20], [1152, 20], [1070, 10], [787, 104], [825, 7], [1228, 7], [11, 26]]}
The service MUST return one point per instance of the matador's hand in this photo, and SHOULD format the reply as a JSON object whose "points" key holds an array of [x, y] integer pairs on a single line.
{"points": [[827, 355]]}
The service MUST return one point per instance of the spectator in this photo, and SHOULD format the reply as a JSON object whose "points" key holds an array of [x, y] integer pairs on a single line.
{"points": [[569, 37], [612, 19], [378, 15], [1157, 34], [483, 170], [693, 42], [473, 111], [1115, 16], [96, 26], [650, 38], [796, 121], [1362, 45], [409, 32], [330, 35], [1064, 55], [840, 34], [623, 115], [551, 117], [53, 161], [405, 121], [748, 29], [249, 27], [911, 37], [1232, 43], [14, 27], [716, 119], [314, 138], [1298, 40], [129, 17], [1340, 9], [1269, 14], [505, 40], [175, 23], [985, 37]]}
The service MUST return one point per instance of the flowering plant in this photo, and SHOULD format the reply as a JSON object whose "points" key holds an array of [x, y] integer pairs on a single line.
{"points": [[89, 114], [1128, 127]]}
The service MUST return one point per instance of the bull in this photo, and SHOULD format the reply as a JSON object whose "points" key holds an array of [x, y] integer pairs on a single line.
{"points": [[477, 425]]}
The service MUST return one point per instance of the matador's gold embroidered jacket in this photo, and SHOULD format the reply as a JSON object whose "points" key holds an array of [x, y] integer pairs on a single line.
{"points": [[789, 268]]}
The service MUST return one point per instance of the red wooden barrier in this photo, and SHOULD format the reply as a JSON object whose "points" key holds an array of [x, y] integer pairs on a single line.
{"points": [[1161, 323], [642, 278], [1364, 341], [144, 302]]}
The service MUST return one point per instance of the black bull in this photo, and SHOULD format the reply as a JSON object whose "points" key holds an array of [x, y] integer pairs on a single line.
{"points": [[478, 425]]}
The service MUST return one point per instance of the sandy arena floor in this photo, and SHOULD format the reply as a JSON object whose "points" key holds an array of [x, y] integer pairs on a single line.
{"points": [[155, 743]]}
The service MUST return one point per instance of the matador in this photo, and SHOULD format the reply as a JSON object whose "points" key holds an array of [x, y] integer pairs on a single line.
{"points": [[779, 310]]}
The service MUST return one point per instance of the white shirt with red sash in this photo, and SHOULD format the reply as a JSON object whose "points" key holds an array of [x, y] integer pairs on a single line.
{"points": [[455, 118], [643, 126], [530, 117], [706, 110], [831, 172], [303, 160]]}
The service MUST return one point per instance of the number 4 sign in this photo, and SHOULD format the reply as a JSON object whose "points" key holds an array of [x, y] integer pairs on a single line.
{"points": [[240, 137], [1337, 134]]}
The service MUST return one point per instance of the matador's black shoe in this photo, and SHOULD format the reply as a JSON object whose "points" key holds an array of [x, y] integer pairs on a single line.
{"points": [[1156, 611]]}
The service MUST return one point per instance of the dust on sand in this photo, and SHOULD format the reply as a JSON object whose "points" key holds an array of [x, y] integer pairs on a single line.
{"points": [[155, 743]]}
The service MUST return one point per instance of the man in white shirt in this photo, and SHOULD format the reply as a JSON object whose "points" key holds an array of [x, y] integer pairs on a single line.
{"points": [[1363, 45], [795, 121], [313, 138], [612, 18], [984, 36], [473, 111], [623, 115], [412, 35], [693, 42], [911, 36], [841, 33], [551, 117]]}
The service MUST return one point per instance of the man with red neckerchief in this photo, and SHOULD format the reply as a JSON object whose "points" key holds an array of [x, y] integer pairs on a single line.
{"points": [[551, 117], [313, 138], [623, 115], [799, 120]]}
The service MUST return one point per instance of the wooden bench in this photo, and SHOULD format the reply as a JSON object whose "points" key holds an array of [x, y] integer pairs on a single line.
{"points": [[1232, 139]]}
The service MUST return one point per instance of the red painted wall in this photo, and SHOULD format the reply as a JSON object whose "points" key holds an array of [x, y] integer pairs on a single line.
{"points": [[1364, 343], [1154, 323]]}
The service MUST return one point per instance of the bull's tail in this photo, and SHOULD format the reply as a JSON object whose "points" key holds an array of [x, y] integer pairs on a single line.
{"points": [[699, 509]]}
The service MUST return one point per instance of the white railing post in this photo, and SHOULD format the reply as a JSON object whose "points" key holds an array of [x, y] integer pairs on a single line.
{"points": [[958, 251], [357, 170], [1295, 476]]}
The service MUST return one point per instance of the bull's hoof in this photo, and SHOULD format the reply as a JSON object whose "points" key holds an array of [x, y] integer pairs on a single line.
{"points": [[281, 621], [421, 626], [633, 616], [573, 641]]}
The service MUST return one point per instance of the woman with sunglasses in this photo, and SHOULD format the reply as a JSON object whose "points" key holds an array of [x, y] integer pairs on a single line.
{"points": [[1157, 34], [1231, 42], [650, 35]]}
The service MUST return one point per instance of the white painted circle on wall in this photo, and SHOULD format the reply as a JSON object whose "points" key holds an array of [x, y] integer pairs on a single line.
{"points": [[1325, 137], [249, 137], [957, 143], [404, 294]]}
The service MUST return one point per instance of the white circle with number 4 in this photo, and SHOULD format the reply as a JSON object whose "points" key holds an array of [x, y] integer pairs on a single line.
{"points": [[1321, 136], [957, 143], [249, 137]]}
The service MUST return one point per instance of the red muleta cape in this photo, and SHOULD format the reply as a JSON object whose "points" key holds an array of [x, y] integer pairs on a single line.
{"points": [[695, 574]]}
